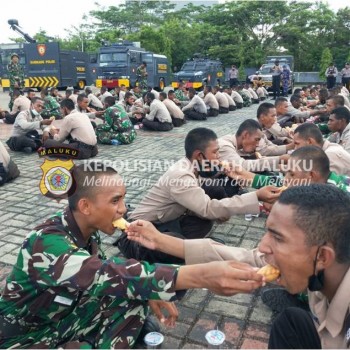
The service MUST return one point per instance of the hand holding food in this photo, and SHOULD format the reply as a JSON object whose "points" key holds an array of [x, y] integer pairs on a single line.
{"points": [[121, 224], [269, 272]]}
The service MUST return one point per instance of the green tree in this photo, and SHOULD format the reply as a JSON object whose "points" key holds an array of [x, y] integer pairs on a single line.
{"points": [[326, 59]]}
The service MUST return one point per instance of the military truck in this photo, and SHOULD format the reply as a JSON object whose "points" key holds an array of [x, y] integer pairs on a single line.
{"points": [[264, 74], [117, 65], [46, 64], [199, 72]]}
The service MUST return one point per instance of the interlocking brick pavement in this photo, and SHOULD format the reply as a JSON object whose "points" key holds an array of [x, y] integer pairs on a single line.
{"points": [[243, 318]]}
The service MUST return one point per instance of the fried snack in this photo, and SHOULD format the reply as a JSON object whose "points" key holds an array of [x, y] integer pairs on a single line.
{"points": [[258, 155], [121, 224], [283, 188], [52, 118], [270, 273]]}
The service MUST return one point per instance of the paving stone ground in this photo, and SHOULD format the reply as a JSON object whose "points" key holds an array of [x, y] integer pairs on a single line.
{"points": [[243, 318]]}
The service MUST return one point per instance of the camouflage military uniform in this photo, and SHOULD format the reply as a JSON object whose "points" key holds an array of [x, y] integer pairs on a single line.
{"points": [[117, 126], [62, 288], [141, 74], [16, 77], [51, 108], [247, 101], [179, 94]]}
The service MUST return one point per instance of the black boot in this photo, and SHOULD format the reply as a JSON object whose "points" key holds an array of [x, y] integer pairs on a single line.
{"points": [[151, 325]]}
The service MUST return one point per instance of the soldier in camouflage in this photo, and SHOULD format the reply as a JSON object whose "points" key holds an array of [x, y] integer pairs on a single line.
{"points": [[141, 74], [64, 292], [51, 106], [117, 125], [16, 76]]}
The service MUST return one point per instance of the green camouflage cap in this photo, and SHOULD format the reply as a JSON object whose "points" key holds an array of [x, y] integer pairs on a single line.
{"points": [[14, 54]]}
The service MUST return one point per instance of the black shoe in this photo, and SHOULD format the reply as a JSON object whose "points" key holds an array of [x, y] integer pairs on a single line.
{"points": [[27, 150], [278, 299], [151, 325]]}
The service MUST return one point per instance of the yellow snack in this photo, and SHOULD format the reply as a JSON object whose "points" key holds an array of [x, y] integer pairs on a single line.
{"points": [[283, 188], [121, 224], [52, 118], [270, 273], [258, 155]]}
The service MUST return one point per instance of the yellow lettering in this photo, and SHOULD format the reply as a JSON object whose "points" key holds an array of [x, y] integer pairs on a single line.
{"points": [[67, 151], [36, 62], [80, 69], [50, 61], [74, 153], [42, 153], [49, 151], [61, 150]]}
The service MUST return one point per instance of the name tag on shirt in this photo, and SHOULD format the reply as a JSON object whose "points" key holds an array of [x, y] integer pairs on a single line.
{"points": [[63, 300]]}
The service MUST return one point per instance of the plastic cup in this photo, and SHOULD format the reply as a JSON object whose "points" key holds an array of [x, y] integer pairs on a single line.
{"points": [[248, 217], [215, 338], [154, 340]]}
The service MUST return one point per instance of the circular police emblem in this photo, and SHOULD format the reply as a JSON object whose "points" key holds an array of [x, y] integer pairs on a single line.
{"points": [[58, 181]]}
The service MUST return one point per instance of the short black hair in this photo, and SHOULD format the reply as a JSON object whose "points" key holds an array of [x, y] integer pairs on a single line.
{"points": [[264, 109], [338, 100], [44, 91], [294, 98], [198, 139], [81, 97], [313, 158], [128, 94], [110, 101], [83, 176], [297, 91], [280, 100], [322, 213], [88, 90], [170, 92], [209, 88], [341, 113], [151, 96], [36, 98], [192, 90], [67, 103], [249, 125], [309, 130], [163, 94]]}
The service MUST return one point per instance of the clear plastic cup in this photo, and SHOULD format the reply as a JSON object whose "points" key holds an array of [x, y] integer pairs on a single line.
{"points": [[248, 217], [154, 340], [215, 338]]}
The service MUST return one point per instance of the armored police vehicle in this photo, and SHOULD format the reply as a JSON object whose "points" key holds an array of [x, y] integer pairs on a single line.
{"points": [[264, 74], [199, 72], [46, 65], [117, 65]]}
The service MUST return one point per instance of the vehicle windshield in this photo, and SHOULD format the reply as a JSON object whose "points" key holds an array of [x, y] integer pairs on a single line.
{"points": [[201, 66], [5, 58], [266, 68], [113, 57], [188, 66]]}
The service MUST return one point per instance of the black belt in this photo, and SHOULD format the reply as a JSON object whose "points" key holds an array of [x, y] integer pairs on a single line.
{"points": [[83, 144]]}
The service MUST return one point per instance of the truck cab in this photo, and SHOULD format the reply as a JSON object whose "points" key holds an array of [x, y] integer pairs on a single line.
{"points": [[264, 74], [117, 65], [199, 72]]}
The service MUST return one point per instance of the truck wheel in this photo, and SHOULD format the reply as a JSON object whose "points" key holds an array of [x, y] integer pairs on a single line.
{"points": [[81, 84], [161, 84]]}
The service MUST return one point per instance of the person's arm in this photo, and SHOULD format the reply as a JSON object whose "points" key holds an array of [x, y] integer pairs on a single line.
{"points": [[190, 105], [152, 112], [64, 130]]}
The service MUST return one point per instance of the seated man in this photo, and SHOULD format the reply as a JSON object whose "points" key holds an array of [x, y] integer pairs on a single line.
{"points": [[307, 239], [20, 104], [51, 106], [63, 292], [211, 102], [177, 116], [196, 108], [339, 124], [245, 141], [237, 97], [310, 134], [8, 168], [25, 136], [158, 118], [77, 129], [117, 125], [94, 101], [222, 100], [267, 110], [178, 204], [231, 103], [272, 130]]}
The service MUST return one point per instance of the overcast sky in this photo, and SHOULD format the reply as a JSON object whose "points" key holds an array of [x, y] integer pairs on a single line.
{"points": [[54, 17]]}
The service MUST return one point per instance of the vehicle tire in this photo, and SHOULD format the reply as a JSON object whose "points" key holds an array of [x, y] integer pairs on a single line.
{"points": [[81, 84], [161, 84]]}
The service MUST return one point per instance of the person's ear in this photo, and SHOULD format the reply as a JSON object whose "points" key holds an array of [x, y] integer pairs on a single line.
{"points": [[84, 206], [326, 257], [197, 154]]}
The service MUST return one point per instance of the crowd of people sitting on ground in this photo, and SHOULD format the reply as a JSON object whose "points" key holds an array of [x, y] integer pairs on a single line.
{"points": [[62, 285]]}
